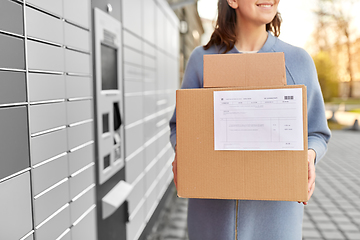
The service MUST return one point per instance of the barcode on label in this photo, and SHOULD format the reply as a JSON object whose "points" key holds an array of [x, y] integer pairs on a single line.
{"points": [[288, 97]]}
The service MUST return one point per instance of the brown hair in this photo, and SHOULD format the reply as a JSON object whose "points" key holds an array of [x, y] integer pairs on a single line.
{"points": [[224, 34]]}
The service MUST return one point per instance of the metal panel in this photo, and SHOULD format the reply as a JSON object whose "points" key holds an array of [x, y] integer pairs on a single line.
{"points": [[78, 87], [55, 227], [132, 41], [13, 88], [160, 28], [134, 226], [151, 175], [78, 12], [133, 109], [132, 15], [45, 57], [12, 52], [136, 195], [44, 26], [48, 145], [148, 7], [133, 73], [15, 207], [54, 85], [11, 17], [81, 204], [79, 111], [86, 229], [31, 237], [150, 201], [14, 143], [150, 153], [49, 174], [149, 49], [149, 62], [150, 129], [134, 167], [131, 56], [81, 181], [132, 86], [47, 116], [76, 62], [80, 134], [134, 139], [77, 37], [80, 158], [54, 6], [50, 202]]}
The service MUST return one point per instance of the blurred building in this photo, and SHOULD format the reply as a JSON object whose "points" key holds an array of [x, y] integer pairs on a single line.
{"points": [[191, 28], [86, 92], [340, 57]]}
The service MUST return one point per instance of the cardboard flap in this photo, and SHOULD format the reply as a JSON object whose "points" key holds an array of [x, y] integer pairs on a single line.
{"points": [[244, 70]]}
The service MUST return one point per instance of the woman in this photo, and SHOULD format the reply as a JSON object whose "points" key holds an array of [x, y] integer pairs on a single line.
{"points": [[246, 26]]}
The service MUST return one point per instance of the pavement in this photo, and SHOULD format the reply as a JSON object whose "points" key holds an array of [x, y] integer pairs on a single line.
{"points": [[333, 212]]}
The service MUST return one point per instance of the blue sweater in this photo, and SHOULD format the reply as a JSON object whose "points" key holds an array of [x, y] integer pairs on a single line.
{"points": [[300, 69]]}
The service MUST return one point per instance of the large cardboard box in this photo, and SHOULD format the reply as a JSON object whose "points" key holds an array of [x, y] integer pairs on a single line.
{"points": [[202, 171]]}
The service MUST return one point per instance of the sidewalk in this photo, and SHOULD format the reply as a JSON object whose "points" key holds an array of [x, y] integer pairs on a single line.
{"points": [[333, 212]]}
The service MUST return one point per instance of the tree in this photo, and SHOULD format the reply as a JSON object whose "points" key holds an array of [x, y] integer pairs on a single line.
{"points": [[326, 75], [333, 27]]}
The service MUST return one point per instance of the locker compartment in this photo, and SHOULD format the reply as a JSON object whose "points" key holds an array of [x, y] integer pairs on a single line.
{"points": [[48, 145], [76, 37], [45, 57], [79, 111], [12, 52], [150, 106], [81, 181], [43, 26], [14, 140], [149, 62], [54, 85], [151, 174], [55, 226], [131, 56], [80, 158], [76, 62], [150, 201], [160, 28], [150, 129], [150, 153], [132, 41], [136, 195], [134, 167], [50, 202], [132, 86], [15, 204], [78, 87], [86, 228], [133, 73], [134, 139], [77, 12], [54, 7], [13, 88], [49, 174], [133, 109], [148, 20], [11, 17], [80, 134], [132, 15], [82, 204], [47, 116], [149, 49], [134, 226]]}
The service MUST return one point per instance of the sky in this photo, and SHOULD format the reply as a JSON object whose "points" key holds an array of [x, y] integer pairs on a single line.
{"points": [[298, 19]]}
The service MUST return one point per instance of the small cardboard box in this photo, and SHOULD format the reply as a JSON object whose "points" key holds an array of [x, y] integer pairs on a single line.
{"points": [[203, 172]]}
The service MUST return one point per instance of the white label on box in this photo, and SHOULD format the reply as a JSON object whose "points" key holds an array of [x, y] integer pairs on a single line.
{"points": [[269, 119]]}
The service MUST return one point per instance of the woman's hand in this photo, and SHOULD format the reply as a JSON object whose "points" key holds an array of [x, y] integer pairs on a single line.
{"points": [[174, 169], [311, 174]]}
